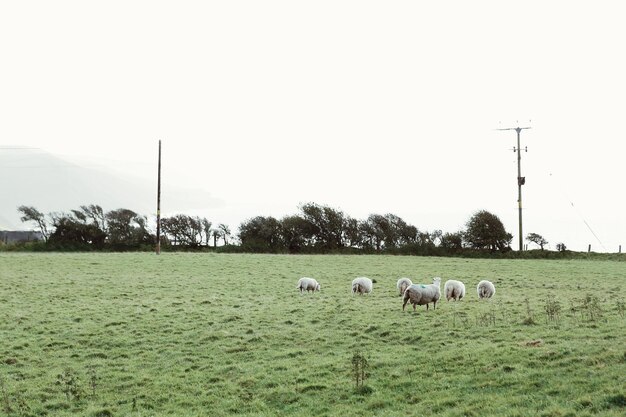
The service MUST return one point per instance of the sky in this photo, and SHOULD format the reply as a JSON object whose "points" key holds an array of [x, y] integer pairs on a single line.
{"points": [[364, 106]]}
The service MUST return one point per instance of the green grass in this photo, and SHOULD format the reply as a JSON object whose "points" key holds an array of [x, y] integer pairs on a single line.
{"points": [[217, 334]]}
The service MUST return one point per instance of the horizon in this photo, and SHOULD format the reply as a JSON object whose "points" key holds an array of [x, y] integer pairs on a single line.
{"points": [[146, 188]]}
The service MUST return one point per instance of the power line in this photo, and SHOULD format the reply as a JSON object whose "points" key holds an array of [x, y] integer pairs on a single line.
{"points": [[567, 197]]}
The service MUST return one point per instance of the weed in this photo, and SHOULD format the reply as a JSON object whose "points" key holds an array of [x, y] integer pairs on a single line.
{"points": [[364, 390], [486, 319], [553, 310], [590, 308], [103, 413], [22, 406], [529, 320], [6, 400], [359, 365], [620, 308], [70, 384], [461, 317], [93, 380]]}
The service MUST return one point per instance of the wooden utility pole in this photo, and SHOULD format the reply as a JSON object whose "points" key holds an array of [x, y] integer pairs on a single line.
{"points": [[520, 180], [158, 219]]}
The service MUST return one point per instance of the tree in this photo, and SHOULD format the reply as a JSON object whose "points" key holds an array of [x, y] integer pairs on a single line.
{"points": [[486, 231], [72, 228], [225, 231], [386, 232], [352, 236], [370, 232], [96, 214], [31, 214], [297, 233], [127, 228], [561, 247], [216, 233], [206, 226], [452, 241], [328, 225], [261, 234], [537, 239], [400, 231], [186, 230]]}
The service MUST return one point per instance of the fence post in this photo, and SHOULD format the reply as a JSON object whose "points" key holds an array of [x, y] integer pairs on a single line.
{"points": [[589, 249]]}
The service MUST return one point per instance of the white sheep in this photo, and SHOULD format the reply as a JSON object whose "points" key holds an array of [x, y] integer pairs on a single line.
{"points": [[454, 289], [485, 289], [403, 284], [421, 294], [308, 284], [362, 285]]}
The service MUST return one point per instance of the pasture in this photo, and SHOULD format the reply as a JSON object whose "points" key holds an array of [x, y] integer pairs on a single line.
{"points": [[109, 334]]}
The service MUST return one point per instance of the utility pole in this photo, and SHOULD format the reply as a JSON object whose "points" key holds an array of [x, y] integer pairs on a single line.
{"points": [[158, 219], [520, 180]]}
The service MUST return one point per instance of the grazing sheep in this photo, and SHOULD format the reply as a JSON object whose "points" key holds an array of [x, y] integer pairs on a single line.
{"points": [[403, 284], [421, 294], [454, 289], [362, 285], [307, 284], [485, 289]]}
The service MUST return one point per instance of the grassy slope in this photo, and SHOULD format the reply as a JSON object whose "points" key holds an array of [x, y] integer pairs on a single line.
{"points": [[198, 334]]}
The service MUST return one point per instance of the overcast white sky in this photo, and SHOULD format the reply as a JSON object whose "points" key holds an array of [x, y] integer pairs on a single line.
{"points": [[366, 106]]}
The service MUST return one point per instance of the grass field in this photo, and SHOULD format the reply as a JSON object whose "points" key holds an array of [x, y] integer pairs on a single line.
{"points": [[217, 335]]}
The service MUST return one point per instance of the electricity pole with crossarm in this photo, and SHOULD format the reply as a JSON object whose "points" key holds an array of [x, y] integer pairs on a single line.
{"points": [[520, 180]]}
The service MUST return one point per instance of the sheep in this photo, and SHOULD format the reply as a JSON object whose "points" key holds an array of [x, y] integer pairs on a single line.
{"points": [[362, 285], [485, 289], [403, 284], [421, 294], [454, 289], [308, 284]]}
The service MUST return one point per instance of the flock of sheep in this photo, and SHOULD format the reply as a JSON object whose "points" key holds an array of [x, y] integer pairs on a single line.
{"points": [[417, 294]]}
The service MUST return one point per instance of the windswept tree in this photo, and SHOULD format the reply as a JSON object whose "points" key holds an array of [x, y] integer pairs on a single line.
{"points": [[374, 232], [328, 225], [31, 214], [452, 242], [74, 228], [537, 239], [486, 231], [95, 213], [387, 232], [126, 227], [297, 233], [206, 227], [261, 234], [186, 230], [217, 234], [351, 234], [225, 231]]}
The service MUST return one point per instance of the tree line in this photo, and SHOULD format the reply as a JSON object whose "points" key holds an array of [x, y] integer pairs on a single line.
{"points": [[323, 229], [314, 229], [90, 227]]}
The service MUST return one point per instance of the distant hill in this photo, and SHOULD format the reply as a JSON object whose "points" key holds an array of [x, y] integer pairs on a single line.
{"points": [[36, 178]]}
